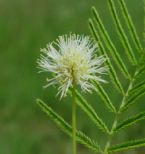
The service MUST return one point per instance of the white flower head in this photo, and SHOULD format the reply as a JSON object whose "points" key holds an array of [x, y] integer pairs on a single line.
{"points": [[73, 61]]}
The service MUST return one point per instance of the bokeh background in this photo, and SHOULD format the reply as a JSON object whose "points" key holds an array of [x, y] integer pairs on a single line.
{"points": [[25, 27]]}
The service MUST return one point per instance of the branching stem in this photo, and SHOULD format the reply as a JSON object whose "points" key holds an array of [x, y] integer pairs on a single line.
{"points": [[118, 113]]}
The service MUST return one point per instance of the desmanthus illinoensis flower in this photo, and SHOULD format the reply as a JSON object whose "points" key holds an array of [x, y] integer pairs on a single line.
{"points": [[73, 61]]}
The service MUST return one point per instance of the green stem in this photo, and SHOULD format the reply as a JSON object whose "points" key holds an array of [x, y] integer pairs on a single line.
{"points": [[117, 114], [111, 134], [74, 120]]}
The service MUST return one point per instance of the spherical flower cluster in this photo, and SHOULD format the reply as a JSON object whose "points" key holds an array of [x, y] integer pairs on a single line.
{"points": [[73, 61]]}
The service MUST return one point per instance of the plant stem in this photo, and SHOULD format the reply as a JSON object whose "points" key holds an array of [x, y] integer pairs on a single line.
{"points": [[74, 121], [117, 113], [111, 134]]}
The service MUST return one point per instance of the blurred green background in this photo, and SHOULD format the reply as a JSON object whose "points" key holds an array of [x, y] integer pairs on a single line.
{"points": [[25, 27]]}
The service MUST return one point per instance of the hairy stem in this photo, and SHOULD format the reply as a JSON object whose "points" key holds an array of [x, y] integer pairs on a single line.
{"points": [[74, 120]]}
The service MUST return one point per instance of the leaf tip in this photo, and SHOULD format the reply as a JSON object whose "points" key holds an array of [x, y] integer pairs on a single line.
{"points": [[93, 8]]}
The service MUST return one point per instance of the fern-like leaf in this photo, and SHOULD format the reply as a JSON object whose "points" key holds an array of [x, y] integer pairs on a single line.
{"points": [[111, 70], [130, 121], [86, 107], [105, 97], [140, 71], [133, 99], [109, 44], [87, 141], [61, 123], [127, 145], [130, 26], [137, 87], [121, 33]]}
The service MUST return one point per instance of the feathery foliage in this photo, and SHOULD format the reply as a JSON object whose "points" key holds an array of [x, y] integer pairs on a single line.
{"points": [[134, 91], [91, 113], [112, 71], [122, 35], [109, 44], [137, 87], [130, 26], [99, 89], [130, 94], [133, 99], [130, 121], [61, 123], [127, 145]]}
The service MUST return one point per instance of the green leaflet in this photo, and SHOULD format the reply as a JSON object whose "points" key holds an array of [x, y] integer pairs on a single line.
{"points": [[137, 87], [122, 35], [112, 71], [85, 106], [133, 99], [130, 121], [127, 145], [109, 44], [141, 67], [105, 97], [130, 26], [81, 137], [140, 71], [88, 142]]}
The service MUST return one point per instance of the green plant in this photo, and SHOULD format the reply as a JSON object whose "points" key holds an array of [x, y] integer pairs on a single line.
{"points": [[130, 94]]}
